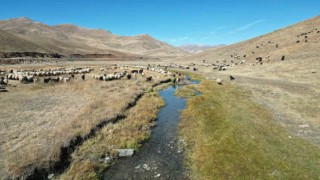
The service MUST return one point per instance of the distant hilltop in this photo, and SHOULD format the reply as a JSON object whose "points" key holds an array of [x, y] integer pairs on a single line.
{"points": [[69, 39], [198, 48]]}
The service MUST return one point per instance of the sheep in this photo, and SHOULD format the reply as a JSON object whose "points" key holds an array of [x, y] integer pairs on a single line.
{"points": [[2, 80], [46, 80], [65, 80], [219, 81], [148, 79], [30, 78], [6, 81], [134, 71], [23, 79], [55, 80], [83, 77], [128, 76], [231, 78]]}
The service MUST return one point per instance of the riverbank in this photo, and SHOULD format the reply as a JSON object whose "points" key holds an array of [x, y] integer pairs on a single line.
{"points": [[161, 156], [98, 153], [229, 136]]}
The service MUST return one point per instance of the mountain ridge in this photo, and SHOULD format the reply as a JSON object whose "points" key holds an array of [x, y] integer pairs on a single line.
{"points": [[71, 39]]}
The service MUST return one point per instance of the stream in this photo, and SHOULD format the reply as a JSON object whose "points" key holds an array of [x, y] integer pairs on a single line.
{"points": [[161, 157]]}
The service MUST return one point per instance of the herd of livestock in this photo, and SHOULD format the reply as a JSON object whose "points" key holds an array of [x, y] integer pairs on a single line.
{"points": [[64, 75]]}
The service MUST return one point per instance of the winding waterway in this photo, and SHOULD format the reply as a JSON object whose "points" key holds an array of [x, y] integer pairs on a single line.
{"points": [[160, 157]]}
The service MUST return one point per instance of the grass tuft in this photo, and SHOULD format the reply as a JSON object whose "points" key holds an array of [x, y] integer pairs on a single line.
{"points": [[185, 91]]}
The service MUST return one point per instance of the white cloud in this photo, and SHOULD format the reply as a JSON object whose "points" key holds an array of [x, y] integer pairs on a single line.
{"points": [[249, 25]]}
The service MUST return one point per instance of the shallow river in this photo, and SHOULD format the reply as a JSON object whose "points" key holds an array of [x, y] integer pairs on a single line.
{"points": [[160, 157]]}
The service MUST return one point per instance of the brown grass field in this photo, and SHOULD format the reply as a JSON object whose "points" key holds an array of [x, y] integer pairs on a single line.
{"points": [[37, 119]]}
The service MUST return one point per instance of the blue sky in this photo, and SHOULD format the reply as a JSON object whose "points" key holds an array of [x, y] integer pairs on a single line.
{"points": [[173, 21]]}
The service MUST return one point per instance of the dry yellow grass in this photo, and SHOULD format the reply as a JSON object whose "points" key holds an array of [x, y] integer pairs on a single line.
{"points": [[37, 120], [128, 133]]}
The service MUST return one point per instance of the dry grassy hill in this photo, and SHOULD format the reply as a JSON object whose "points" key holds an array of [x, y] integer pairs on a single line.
{"points": [[69, 39], [299, 41], [11, 43]]}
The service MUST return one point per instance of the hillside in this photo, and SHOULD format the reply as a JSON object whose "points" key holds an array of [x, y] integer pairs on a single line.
{"points": [[69, 39], [299, 41], [11, 43]]}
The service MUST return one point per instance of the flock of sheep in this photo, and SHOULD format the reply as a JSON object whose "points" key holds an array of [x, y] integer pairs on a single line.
{"points": [[62, 74], [45, 76]]}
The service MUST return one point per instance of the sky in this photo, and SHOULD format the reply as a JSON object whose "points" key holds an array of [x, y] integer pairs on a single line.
{"points": [[177, 22]]}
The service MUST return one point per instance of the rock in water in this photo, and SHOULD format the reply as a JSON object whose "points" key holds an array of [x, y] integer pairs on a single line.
{"points": [[125, 152]]}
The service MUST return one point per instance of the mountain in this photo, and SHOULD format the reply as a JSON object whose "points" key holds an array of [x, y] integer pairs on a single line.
{"points": [[298, 41], [70, 39], [12, 43], [197, 48]]}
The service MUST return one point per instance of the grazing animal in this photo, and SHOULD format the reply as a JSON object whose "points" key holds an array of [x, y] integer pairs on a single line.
{"points": [[65, 80], [195, 69], [282, 58], [259, 59], [83, 77], [23, 79], [6, 81], [55, 80], [148, 79], [219, 81], [2, 80], [46, 80], [72, 76], [129, 76], [231, 78]]}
